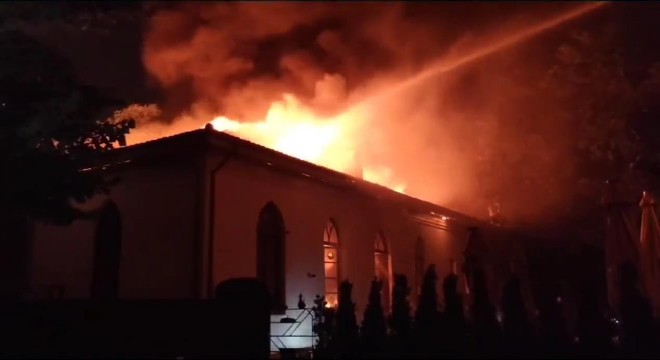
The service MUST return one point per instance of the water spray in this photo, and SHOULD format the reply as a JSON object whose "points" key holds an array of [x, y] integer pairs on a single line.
{"points": [[444, 66]]}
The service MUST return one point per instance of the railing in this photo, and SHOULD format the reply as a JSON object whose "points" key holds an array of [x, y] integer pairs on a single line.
{"points": [[293, 334]]}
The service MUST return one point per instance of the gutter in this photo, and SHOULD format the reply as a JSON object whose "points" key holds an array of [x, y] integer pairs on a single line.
{"points": [[211, 243]]}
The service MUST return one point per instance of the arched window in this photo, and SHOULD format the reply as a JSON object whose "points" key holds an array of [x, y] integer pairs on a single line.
{"points": [[331, 263], [382, 267], [107, 253], [271, 234], [419, 264]]}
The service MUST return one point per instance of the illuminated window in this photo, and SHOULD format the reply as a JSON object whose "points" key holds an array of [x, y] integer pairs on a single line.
{"points": [[382, 268], [331, 263], [419, 265], [271, 234]]}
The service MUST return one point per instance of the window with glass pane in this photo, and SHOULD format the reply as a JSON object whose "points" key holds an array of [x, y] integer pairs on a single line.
{"points": [[331, 263], [271, 238], [331, 270], [382, 267]]}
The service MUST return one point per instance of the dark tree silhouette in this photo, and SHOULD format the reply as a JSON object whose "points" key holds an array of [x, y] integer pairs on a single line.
{"points": [[516, 328], [593, 330], [79, 14], [243, 303], [427, 316], [323, 326], [636, 315], [400, 320], [554, 330], [484, 320], [346, 335], [454, 326], [587, 104], [51, 129], [374, 329], [612, 112]]}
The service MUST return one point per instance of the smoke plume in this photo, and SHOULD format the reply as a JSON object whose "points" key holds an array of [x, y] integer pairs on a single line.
{"points": [[236, 59]]}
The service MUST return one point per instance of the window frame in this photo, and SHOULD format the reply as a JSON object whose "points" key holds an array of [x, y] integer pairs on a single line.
{"points": [[271, 214], [331, 241]]}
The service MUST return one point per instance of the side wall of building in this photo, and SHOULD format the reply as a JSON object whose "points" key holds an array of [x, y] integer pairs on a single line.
{"points": [[243, 189], [157, 209]]}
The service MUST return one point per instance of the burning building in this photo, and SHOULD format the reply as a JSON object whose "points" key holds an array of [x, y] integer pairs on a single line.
{"points": [[194, 209], [322, 180]]}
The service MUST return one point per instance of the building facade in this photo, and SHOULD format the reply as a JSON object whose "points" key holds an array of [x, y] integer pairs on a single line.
{"points": [[198, 208]]}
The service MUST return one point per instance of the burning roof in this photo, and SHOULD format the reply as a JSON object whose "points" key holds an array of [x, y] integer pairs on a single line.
{"points": [[204, 141], [363, 90]]}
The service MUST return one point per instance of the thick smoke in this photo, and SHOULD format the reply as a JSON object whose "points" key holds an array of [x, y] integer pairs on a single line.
{"points": [[235, 59]]}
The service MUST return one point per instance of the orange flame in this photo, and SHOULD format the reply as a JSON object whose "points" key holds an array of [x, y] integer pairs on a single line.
{"points": [[293, 129], [350, 142]]}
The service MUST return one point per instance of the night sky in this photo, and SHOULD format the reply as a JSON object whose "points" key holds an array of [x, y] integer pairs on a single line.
{"points": [[110, 57]]}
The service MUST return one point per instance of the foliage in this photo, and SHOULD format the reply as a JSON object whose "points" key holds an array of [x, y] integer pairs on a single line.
{"points": [[553, 332], [456, 337], [400, 320], [454, 325], [374, 328], [614, 112], [346, 331], [566, 125], [484, 319], [51, 127], [79, 14], [323, 324], [593, 330], [454, 340], [516, 328], [590, 83], [427, 313]]}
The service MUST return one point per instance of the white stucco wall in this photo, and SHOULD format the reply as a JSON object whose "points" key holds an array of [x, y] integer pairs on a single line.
{"points": [[244, 188], [157, 206], [62, 259]]}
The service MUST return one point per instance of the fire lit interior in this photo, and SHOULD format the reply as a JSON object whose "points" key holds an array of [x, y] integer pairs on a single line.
{"points": [[331, 262]]}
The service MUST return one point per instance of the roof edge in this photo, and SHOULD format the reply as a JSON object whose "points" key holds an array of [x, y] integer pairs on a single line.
{"points": [[203, 139]]}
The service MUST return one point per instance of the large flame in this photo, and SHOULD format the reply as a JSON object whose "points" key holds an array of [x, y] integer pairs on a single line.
{"points": [[293, 129], [399, 118]]}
